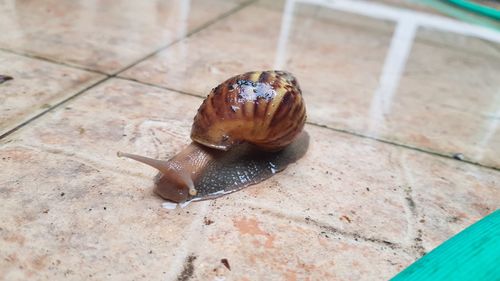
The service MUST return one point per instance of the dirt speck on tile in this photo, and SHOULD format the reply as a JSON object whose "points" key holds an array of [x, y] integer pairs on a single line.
{"points": [[345, 218], [188, 270], [207, 221], [5, 78], [225, 262]]}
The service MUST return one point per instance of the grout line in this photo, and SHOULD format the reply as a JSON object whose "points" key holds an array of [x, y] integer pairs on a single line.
{"points": [[33, 56], [100, 81], [108, 76], [355, 236], [158, 86], [194, 31], [302, 218], [434, 153], [414, 232], [114, 74], [189, 34], [338, 130]]}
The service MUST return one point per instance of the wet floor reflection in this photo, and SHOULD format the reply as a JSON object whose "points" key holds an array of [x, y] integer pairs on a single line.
{"points": [[413, 78], [394, 67]]}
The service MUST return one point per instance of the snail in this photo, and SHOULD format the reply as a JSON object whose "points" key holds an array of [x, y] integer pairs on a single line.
{"points": [[247, 129]]}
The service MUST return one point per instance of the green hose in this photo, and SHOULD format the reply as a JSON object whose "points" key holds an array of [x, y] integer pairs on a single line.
{"points": [[472, 254], [480, 9]]}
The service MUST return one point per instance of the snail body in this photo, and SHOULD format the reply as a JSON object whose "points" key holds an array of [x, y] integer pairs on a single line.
{"points": [[245, 131]]}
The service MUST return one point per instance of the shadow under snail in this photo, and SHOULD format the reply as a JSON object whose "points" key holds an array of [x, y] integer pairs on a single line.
{"points": [[247, 129]]}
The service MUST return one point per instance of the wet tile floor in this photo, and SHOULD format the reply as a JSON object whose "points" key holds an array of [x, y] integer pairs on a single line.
{"points": [[403, 117]]}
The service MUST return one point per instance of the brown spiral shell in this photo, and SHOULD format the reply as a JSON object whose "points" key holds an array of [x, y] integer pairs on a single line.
{"points": [[264, 108]]}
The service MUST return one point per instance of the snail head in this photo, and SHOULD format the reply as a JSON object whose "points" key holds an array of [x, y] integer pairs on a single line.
{"points": [[172, 183]]}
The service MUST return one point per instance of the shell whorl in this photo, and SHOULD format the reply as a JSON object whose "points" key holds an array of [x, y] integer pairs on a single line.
{"points": [[264, 108]]}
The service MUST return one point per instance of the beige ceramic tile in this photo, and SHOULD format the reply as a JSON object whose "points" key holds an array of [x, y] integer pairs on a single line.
{"points": [[36, 86], [348, 204], [447, 196], [458, 43], [446, 101], [100, 35], [259, 245], [238, 44], [379, 192], [66, 218], [337, 72], [117, 115]]}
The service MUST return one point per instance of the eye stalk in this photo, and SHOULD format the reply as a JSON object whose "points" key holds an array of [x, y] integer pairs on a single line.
{"points": [[162, 166], [173, 181]]}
